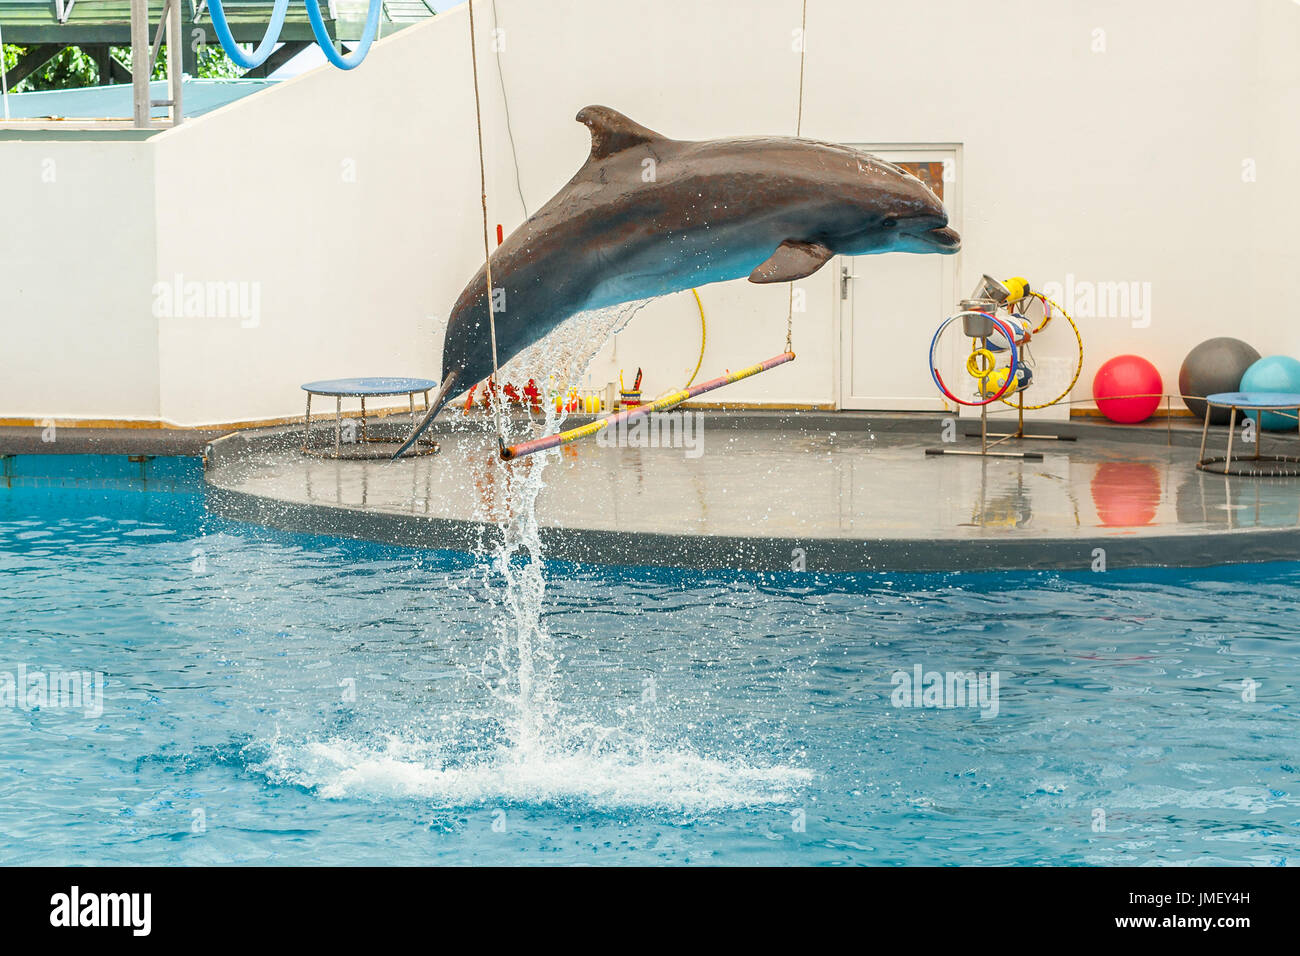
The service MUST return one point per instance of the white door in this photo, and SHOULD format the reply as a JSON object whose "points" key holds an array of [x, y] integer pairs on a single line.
{"points": [[891, 304]]}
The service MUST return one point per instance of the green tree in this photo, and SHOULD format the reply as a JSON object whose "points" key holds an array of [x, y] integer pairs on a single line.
{"points": [[215, 65], [72, 67]]}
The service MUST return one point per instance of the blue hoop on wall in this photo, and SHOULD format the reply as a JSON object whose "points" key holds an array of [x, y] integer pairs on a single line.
{"points": [[272, 36], [269, 39], [353, 59]]}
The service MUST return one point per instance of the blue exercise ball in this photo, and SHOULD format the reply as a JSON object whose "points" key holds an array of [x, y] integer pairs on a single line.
{"points": [[1274, 373]]}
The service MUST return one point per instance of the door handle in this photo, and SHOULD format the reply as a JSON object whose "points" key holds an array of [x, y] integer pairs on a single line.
{"points": [[845, 276]]}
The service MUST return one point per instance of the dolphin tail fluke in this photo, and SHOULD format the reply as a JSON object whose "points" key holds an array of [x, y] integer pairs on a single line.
{"points": [[443, 396]]}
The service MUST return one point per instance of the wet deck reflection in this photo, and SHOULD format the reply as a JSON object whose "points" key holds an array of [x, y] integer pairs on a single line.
{"points": [[790, 484]]}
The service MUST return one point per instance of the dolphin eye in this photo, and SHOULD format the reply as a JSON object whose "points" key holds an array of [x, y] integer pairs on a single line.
{"points": [[889, 222]]}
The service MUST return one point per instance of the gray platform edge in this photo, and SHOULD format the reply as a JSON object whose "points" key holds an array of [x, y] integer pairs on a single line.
{"points": [[819, 555], [70, 440]]}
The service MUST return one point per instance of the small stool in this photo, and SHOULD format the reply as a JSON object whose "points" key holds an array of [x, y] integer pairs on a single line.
{"points": [[363, 388], [1260, 466]]}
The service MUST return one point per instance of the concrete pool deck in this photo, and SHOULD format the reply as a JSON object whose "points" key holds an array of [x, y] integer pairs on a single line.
{"points": [[780, 491]]}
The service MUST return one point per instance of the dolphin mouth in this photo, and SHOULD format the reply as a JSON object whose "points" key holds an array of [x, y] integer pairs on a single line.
{"points": [[944, 240]]}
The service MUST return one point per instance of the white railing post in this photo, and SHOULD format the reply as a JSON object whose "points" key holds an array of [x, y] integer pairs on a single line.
{"points": [[141, 62], [175, 58], [4, 78]]}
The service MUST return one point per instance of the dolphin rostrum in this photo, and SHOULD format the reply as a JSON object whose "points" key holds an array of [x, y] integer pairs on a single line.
{"points": [[647, 215]]}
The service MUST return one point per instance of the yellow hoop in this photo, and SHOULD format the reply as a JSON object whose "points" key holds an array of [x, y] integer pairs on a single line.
{"points": [[1048, 306], [974, 370]]}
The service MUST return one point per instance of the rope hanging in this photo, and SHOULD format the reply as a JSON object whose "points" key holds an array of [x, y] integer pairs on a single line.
{"points": [[487, 245], [798, 131], [669, 401]]}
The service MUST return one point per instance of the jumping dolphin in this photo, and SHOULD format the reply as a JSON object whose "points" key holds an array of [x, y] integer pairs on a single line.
{"points": [[647, 215]]}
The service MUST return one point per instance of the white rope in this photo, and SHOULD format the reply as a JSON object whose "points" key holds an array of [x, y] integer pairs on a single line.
{"points": [[487, 245], [798, 130]]}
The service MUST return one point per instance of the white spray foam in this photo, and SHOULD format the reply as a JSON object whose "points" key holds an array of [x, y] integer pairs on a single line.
{"points": [[548, 756], [643, 778]]}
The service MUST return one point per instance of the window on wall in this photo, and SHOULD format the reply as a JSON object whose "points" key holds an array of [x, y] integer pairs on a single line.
{"points": [[929, 173]]}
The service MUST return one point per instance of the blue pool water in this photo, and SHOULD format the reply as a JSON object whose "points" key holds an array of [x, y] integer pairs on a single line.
{"points": [[271, 698]]}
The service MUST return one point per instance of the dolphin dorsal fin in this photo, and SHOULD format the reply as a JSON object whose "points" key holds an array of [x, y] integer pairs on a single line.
{"points": [[612, 132]]}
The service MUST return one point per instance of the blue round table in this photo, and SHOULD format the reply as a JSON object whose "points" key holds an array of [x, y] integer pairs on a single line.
{"points": [[1277, 466], [363, 388]]}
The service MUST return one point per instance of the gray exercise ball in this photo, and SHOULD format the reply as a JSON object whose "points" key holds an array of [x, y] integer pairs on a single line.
{"points": [[1216, 365]]}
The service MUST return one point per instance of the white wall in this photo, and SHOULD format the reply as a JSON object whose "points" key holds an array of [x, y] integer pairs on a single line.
{"points": [[76, 265], [1117, 166], [331, 193]]}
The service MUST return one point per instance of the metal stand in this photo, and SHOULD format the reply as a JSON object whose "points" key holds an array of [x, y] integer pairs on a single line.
{"points": [[977, 328], [1259, 465], [1019, 433], [365, 447], [144, 55], [986, 445]]}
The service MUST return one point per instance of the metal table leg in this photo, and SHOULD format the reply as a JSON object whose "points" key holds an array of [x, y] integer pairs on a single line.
{"points": [[306, 423], [363, 418], [338, 426], [1232, 431], [1205, 430]]}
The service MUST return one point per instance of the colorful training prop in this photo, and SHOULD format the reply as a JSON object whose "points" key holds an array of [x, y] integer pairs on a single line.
{"points": [[1050, 309], [658, 405], [1128, 389], [1011, 377], [1024, 378], [1276, 373]]}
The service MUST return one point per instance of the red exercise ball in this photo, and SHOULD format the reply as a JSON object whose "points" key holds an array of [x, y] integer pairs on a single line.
{"points": [[1126, 493], [1127, 375]]}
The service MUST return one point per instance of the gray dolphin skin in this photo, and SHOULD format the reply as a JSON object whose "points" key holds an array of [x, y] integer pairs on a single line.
{"points": [[647, 215]]}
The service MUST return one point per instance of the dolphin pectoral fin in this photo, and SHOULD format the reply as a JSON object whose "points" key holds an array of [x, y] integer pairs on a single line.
{"points": [[612, 132], [792, 260]]}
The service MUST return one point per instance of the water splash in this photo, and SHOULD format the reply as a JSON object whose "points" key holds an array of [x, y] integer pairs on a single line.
{"points": [[563, 357], [676, 779], [520, 672], [544, 753]]}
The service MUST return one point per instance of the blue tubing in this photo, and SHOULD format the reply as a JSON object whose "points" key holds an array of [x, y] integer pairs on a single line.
{"points": [[269, 39], [353, 59]]}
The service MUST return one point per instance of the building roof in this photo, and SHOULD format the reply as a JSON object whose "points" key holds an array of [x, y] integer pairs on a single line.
{"points": [[115, 102]]}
